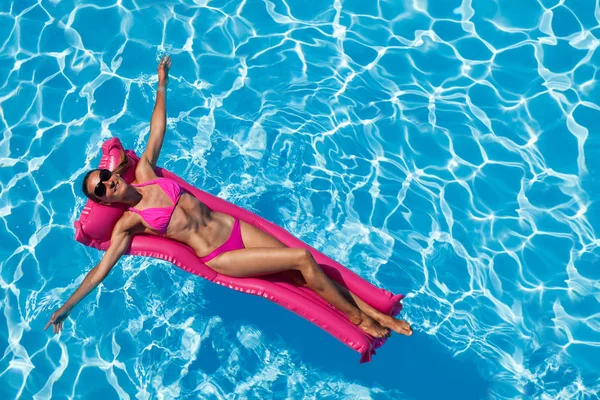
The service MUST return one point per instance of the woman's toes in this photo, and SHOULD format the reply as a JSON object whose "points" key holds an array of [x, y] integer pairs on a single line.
{"points": [[406, 329]]}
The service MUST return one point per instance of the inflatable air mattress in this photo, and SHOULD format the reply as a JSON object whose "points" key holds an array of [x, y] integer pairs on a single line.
{"points": [[95, 224]]}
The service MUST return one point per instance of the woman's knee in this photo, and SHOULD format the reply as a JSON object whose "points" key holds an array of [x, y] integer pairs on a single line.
{"points": [[304, 258], [307, 265]]}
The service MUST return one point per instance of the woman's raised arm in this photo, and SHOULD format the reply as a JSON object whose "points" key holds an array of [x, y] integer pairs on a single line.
{"points": [[158, 123]]}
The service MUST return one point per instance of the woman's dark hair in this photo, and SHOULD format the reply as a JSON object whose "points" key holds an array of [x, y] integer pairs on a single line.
{"points": [[84, 188]]}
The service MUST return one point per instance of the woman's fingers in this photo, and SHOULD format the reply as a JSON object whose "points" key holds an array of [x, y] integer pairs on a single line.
{"points": [[165, 62], [57, 320]]}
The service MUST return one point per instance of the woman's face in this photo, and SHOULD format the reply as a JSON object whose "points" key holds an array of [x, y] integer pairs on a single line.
{"points": [[115, 187]]}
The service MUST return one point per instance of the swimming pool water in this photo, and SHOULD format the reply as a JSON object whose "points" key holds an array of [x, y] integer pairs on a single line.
{"points": [[444, 149]]}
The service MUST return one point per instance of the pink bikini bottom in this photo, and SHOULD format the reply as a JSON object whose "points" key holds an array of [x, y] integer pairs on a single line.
{"points": [[234, 242]]}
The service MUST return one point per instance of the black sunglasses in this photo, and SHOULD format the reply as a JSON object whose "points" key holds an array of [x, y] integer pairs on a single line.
{"points": [[100, 189]]}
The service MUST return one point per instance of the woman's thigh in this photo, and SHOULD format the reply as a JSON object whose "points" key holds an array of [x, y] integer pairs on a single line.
{"points": [[261, 262], [258, 261]]}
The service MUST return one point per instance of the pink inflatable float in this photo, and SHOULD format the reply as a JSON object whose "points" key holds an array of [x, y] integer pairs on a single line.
{"points": [[95, 224]]}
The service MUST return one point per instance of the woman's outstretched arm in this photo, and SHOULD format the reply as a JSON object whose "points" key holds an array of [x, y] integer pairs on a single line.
{"points": [[158, 123], [119, 243]]}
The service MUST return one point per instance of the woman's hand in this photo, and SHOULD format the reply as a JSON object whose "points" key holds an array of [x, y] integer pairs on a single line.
{"points": [[58, 318], [163, 70]]}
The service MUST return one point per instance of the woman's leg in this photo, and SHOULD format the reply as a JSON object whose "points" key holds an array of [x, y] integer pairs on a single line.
{"points": [[257, 238], [264, 261], [397, 325]]}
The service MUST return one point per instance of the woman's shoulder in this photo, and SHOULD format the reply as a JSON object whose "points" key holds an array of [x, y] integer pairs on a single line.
{"points": [[144, 172]]}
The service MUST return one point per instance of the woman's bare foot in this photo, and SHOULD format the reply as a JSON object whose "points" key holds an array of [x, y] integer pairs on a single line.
{"points": [[397, 325], [372, 327]]}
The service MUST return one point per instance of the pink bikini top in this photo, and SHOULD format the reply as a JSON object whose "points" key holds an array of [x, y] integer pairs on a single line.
{"points": [[158, 217]]}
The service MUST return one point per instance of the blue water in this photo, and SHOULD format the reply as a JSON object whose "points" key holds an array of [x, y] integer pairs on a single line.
{"points": [[444, 149]]}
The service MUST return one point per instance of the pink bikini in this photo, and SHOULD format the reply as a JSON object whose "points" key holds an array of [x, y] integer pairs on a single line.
{"points": [[158, 217], [234, 242]]}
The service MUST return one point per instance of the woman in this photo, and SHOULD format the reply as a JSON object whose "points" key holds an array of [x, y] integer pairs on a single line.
{"points": [[158, 206]]}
